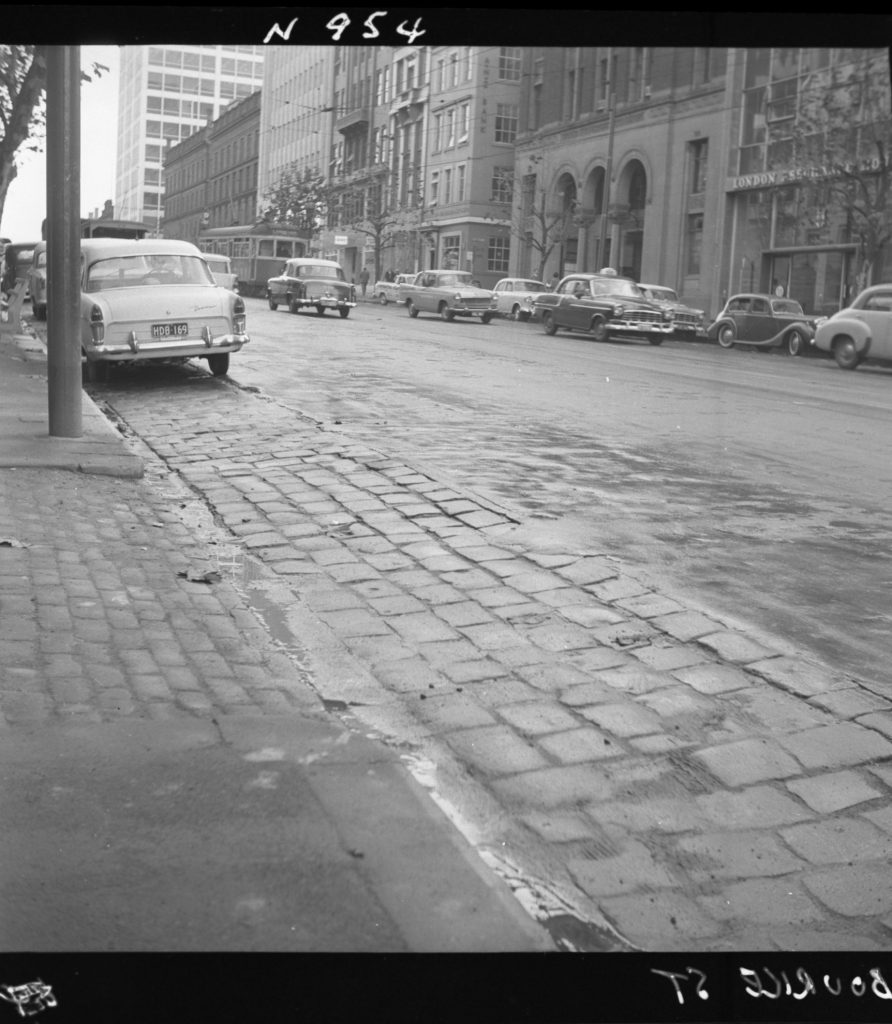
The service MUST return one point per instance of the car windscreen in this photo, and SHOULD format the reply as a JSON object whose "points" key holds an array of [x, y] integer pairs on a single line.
{"points": [[146, 270], [617, 286], [787, 307], [451, 280], [320, 270], [532, 286]]}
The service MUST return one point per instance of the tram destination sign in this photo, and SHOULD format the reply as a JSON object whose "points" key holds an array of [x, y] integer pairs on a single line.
{"points": [[787, 175]]}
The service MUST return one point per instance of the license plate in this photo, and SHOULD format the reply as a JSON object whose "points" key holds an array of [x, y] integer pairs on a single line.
{"points": [[170, 330]]}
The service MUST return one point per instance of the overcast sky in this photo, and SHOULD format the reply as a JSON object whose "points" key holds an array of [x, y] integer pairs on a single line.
{"points": [[26, 200]]}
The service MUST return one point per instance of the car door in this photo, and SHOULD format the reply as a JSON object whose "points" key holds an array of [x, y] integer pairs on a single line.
{"points": [[574, 307], [759, 325], [877, 314]]}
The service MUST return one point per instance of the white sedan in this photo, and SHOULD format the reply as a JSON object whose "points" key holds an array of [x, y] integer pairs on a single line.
{"points": [[154, 299], [515, 297]]}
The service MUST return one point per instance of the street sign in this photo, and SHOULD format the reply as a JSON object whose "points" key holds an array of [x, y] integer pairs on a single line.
{"points": [[341, 240]]}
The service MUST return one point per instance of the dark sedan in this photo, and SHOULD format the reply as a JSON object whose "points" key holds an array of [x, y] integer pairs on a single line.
{"points": [[764, 321]]}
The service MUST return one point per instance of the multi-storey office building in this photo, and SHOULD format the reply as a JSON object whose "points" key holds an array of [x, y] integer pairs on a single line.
{"points": [[210, 179], [620, 161], [167, 93], [296, 123]]}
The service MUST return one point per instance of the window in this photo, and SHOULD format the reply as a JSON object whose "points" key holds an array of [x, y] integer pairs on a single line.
{"points": [[699, 153], [453, 69], [498, 252], [460, 179], [447, 186], [694, 243], [450, 127], [506, 122], [435, 188], [464, 122], [441, 75], [509, 63], [501, 185], [153, 154], [155, 80], [451, 252]]}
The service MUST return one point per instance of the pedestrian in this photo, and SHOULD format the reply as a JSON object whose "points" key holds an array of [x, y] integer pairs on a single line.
{"points": [[364, 279], [555, 280]]}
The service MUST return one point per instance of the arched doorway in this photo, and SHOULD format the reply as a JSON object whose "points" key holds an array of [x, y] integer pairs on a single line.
{"points": [[564, 230], [628, 214], [596, 249]]}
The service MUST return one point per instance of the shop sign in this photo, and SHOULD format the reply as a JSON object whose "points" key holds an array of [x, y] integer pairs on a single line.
{"points": [[786, 175], [341, 240]]}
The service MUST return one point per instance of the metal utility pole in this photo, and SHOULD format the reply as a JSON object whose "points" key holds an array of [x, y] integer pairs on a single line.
{"points": [[63, 147], [608, 173]]}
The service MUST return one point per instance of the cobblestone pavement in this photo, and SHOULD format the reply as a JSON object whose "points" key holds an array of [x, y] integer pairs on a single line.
{"points": [[687, 784]]}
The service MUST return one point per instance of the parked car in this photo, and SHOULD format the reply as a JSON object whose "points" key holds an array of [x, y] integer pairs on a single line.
{"points": [[154, 299], [307, 283], [605, 306], [764, 321], [389, 291], [222, 271], [17, 259], [448, 293], [516, 297], [861, 331], [37, 281], [689, 321]]}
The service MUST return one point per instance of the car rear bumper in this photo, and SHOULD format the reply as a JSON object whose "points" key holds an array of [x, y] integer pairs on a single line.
{"points": [[186, 349]]}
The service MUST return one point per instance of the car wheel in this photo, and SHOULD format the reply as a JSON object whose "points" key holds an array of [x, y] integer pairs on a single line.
{"points": [[795, 343], [293, 307], [272, 302], [320, 311], [656, 341], [598, 328], [344, 313], [382, 298], [219, 364], [845, 353], [727, 336], [94, 371], [515, 312], [445, 312], [486, 317], [524, 316], [548, 323], [411, 308]]}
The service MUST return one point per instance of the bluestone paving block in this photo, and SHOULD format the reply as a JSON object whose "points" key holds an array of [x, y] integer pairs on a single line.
{"points": [[498, 596], [532, 582], [474, 671], [676, 701], [496, 750], [879, 720], [661, 920], [730, 645], [849, 702], [734, 855], [590, 616], [748, 761], [649, 605], [409, 675], [685, 626], [757, 807], [617, 588], [665, 657], [549, 676], [497, 692], [625, 719], [577, 745], [653, 814], [469, 579], [558, 827], [506, 568], [714, 678], [376, 649], [546, 788], [835, 746], [596, 659], [581, 695], [585, 571], [633, 870], [354, 622], [839, 840], [834, 791], [463, 613], [538, 717], [764, 901], [560, 636], [491, 636], [854, 890], [481, 519], [881, 817], [421, 627], [797, 675], [453, 711], [635, 678]]}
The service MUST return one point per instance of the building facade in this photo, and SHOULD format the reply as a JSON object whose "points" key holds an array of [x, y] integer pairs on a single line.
{"points": [[210, 179], [166, 93]]}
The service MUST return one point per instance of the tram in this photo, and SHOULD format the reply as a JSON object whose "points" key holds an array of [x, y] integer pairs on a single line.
{"points": [[256, 251]]}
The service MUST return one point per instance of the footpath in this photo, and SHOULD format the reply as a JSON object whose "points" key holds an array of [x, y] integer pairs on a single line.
{"points": [[170, 780], [641, 774]]}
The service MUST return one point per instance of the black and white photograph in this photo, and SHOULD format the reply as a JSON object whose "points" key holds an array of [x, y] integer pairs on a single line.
{"points": [[444, 503]]}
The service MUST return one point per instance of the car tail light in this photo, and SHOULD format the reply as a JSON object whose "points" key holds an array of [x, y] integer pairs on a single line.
{"points": [[97, 325], [239, 319]]}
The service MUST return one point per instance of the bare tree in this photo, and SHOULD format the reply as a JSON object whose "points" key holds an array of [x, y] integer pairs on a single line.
{"points": [[299, 198], [541, 222], [840, 153], [22, 106], [372, 210]]}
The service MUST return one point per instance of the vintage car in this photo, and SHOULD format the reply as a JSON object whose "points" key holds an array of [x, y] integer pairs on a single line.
{"points": [[764, 321], [37, 281], [308, 283], [689, 322], [448, 293], [17, 259], [389, 291], [154, 299], [604, 305], [516, 297], [221, 269], [861, 331]]}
